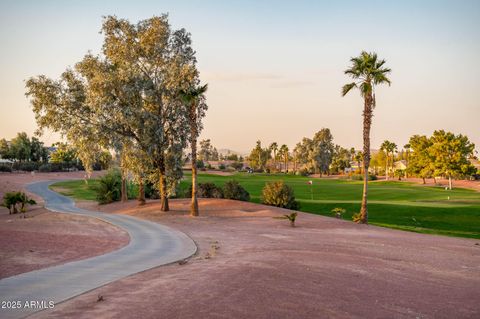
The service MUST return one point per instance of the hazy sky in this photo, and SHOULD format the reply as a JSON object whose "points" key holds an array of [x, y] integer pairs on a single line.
{"points": [[274, 68]]}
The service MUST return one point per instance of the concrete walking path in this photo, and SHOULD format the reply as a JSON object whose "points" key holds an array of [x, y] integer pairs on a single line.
{"points": [[151, 245]]}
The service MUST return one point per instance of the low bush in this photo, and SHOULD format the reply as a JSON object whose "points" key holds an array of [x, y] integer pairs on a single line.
{"points": [[359, 177], [206, 190], [221, 166], [237, 165], [233, 190], [26, 166], [5, 168], [109, 187], [303, 172], [12, 199], [279, 194]]}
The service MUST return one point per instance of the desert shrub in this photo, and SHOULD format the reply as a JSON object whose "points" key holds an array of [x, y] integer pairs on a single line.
{"points": [[206, 190], [109, 187], [303, 172], [233, 190], [26, 166], [150, 191], [5, 168], [359, 177], [338, 212], [200, 164], [291, 217], [279, 194], [12, 199], [237, 165]]}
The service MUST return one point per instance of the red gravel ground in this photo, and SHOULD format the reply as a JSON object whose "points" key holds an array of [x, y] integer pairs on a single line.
{"points": [[250, 265], [45, 239]]}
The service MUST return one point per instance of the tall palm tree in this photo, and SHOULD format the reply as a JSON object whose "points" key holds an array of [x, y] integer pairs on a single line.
{"points": [[389, 148], [191, 98], [284, 153], [274, 149], [407, 153], [367, 71]]}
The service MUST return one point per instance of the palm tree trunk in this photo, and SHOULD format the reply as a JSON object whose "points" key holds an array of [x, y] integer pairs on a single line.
{"points": [[450, 182], [386, 166], [367, 123], [193, 131]]}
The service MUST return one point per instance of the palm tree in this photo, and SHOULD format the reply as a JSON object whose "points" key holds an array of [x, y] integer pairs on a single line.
{"points": [[284, 153], [191, 98], [367, 71], [407, 153], [274, 148], [388, 147]]}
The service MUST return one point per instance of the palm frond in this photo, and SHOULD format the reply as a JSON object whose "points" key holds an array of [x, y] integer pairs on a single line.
{"points": [[347, 87]]}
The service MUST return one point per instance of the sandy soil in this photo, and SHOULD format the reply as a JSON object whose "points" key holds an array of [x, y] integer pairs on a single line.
{"points": [[45, 239], [250, 265]]}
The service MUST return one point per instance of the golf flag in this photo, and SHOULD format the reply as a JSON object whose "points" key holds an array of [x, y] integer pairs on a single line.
{"points": [[310, 182]]}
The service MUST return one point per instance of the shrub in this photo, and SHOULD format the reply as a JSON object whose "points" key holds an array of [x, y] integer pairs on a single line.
{"points": [[233, 190], [303, 172], [207, 190], [5, 168], [150, 191], [338, 211], [26, 166], [200, 164], [221, 166], [109, 187], [237, 165], [279, 194], [359, 177], [11, 199], [291, 217]]}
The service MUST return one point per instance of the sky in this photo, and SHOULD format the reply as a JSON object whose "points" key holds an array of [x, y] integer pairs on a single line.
{"points": [[274, 68]]}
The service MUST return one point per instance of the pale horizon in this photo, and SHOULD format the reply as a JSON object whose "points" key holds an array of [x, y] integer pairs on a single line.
{"points": [[274, 69]]}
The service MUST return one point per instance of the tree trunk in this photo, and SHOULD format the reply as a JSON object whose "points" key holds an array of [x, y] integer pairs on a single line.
{"points": [[450, 182], [367, 123], [424, 182], [163, 187], [193, 129], [141, 193], [386, 167], [123, 191]]}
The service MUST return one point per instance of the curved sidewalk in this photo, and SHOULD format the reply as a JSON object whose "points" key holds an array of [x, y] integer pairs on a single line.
{"points": [[151, 245]]}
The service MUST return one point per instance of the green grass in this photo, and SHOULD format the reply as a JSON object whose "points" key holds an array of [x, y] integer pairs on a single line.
{"points": [[398, 205], [76, 189]]}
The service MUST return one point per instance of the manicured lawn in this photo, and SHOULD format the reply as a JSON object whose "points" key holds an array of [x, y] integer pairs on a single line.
{"points": [[392, 204], [77, 189]]}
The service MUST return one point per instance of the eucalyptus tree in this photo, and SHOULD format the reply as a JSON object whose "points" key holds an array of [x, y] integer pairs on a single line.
{"points": [[367, 71], [194, 99], [130, 91], [323, 149]]}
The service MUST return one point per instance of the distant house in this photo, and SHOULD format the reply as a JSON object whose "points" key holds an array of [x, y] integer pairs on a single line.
{"points": [[400, 165]]}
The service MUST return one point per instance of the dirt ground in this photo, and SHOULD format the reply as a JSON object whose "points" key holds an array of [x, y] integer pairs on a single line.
{"points": [[250, 265], [45, 239]]}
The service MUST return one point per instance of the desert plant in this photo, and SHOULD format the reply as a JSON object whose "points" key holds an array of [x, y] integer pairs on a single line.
{"points": [[221, 166], [233, 190], [338, 211], [357, 217], [11, 199], [5, 168], [237, 165], [109, 186], [207, 190], [291, 217], [279, 194]]}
